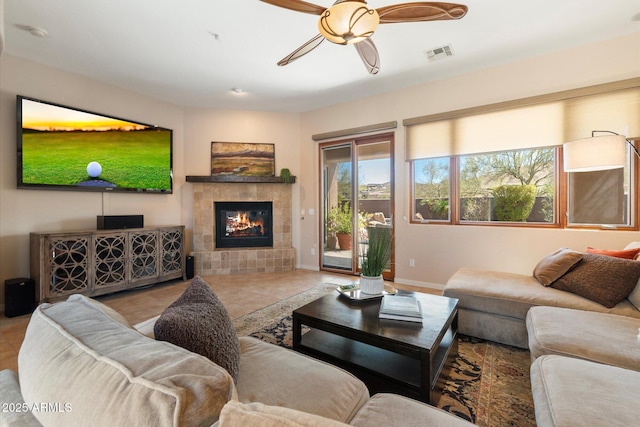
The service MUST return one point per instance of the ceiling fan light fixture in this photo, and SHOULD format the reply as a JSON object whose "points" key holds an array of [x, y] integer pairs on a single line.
{"points": [[348, 22]]}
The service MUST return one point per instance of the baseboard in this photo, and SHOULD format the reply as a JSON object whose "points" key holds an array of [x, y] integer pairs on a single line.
{"points": [[308, 267], [416, 283]]}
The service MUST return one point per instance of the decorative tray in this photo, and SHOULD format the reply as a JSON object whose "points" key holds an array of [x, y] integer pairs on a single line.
{"points": [[354, 293]]}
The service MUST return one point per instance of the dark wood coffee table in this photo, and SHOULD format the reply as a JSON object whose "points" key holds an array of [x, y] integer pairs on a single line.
{"points": [[387, 355]]}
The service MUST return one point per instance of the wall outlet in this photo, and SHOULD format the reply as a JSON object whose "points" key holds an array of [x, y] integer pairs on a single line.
{"points": [[412, 262], [313, 251]]}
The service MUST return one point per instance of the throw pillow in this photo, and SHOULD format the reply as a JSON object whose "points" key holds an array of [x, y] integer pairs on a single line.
{"points": [[621, 253], [198, 322], [604, 279], [553, 266]]}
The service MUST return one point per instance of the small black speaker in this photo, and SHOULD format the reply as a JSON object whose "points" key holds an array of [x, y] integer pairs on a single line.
{"points": [[189, 267], [117, 222], [19, 296]]}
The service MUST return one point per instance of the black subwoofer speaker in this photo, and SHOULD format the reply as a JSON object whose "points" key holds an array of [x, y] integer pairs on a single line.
{"points": [[117, 222], [19, 296], [189, 267]]}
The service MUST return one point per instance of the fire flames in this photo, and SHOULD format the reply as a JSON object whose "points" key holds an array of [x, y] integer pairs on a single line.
{"points": [[242, 225]]}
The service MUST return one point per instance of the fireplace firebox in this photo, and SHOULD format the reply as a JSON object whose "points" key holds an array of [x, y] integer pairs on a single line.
{"points": [[243, 224]]}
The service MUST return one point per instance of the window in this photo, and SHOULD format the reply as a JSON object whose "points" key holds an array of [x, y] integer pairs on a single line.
{"points": [[508, 186], [516, 177], [602, 198], [431, 189], [511, 186], [520, 186]]}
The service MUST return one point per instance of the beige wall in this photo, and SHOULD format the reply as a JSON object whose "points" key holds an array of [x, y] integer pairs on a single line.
{"points": [[440, 250], [23, 211], [203, 126]]}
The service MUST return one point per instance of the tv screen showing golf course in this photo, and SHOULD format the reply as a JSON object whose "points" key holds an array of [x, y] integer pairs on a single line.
{"points": [[66, 148]]}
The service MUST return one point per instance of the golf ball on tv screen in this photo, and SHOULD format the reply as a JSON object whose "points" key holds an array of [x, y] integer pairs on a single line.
{"points": [[94, 169]]}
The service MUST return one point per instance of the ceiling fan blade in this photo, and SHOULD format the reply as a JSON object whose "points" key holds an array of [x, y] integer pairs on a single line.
{"points": [[420, 11], [369, 55], [298, 6], [302, 50]]}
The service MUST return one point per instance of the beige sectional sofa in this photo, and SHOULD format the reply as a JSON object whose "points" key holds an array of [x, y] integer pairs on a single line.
{"points": [[81, 363], [586, 367], [571, 392], [585, 357], [493, 305]]}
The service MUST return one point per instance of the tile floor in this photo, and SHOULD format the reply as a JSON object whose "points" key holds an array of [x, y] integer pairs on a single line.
{"points": [[240, 293]]}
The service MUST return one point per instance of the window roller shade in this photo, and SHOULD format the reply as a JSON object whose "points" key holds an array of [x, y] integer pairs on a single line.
{"points": [[543, 125]]}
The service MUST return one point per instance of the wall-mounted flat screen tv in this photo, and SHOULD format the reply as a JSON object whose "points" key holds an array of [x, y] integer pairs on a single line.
{"points": [[65, 148]]}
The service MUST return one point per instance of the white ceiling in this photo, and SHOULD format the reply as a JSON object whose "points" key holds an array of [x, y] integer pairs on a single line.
{"points": [[168, 49]]}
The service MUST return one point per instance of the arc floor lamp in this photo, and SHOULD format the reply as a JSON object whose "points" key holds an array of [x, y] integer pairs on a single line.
{"points": [[597, 153]]}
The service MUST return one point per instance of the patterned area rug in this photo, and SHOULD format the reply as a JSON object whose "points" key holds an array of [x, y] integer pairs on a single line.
{"points": [[488, 384]]}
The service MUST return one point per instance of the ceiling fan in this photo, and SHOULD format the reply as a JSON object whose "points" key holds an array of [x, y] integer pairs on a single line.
{"points": [[353, 22]]}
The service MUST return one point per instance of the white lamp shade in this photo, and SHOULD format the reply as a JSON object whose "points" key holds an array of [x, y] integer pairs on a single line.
{"points": [[348, 22], [595, 153]]}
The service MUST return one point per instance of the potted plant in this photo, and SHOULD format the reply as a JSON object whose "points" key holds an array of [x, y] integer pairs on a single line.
{"points": [[285, 174], [339, 221], [375, 260]]}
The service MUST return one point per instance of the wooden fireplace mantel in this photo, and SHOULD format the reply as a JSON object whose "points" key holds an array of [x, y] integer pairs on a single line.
{"points": [[239, 179]]}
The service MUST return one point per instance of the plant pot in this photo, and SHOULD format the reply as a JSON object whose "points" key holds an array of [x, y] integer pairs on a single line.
{"points": [[371, 285], [344, 241]]}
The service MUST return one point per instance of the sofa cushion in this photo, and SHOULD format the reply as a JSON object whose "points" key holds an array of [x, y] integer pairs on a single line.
{"points": [[634, 296], [634, 245], [110, 312], [392, 410], [599, 337], [281, 377], [110, 374], [574, 392], [199, 322], [512, 295], [146, 327], [15, 414], [553, 266], [604, 279], [236, 414]]}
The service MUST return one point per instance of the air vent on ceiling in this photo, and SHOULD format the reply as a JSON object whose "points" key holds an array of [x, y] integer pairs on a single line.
{"points": [[439, 53]]}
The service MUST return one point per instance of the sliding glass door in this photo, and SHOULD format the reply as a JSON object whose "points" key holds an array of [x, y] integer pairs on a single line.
{"points": [[357, 194], [338, 219], [375, 192]]}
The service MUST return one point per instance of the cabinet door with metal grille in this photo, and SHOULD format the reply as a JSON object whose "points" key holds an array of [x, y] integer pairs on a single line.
{"points": [[172, 251], [67, 269], [110, 261], [143, 256]]}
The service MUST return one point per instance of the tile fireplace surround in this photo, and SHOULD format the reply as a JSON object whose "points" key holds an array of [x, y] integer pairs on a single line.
{"points": [[212, 261]]}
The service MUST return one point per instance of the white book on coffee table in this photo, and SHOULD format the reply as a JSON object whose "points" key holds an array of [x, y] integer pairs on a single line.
{"points": [[400, 307]]}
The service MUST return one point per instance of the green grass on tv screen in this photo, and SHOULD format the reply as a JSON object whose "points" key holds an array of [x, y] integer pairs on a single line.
{"points": [[133, 159]]}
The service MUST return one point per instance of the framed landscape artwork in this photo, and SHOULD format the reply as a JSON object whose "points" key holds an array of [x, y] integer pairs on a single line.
{"points": [[243, 159]]}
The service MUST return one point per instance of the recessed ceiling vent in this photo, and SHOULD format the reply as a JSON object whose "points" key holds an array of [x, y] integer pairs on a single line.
{"points": [[439, 53]]}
